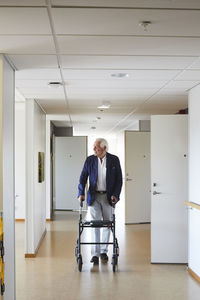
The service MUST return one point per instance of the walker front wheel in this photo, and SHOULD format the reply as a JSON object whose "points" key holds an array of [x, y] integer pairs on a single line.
{"points": [[80, 263], [114, 263]]}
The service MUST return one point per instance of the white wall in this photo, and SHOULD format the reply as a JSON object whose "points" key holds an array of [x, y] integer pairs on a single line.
{"points": [[7, 96], [35, 192], [194, 179], [20, 160]]}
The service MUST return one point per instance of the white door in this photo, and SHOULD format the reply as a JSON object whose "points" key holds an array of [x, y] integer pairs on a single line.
{"points": [[169, 174], [70, 154], [138, 179]]}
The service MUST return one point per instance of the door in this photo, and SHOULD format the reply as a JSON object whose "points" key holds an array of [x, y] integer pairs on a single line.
{"points": [[137, 180], [169, 173], [70, 154]]}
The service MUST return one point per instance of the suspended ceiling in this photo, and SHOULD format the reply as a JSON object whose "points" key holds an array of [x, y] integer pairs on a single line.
{"points": [[82, 43]]}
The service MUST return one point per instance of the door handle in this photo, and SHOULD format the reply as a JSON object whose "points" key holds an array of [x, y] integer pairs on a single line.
{"points": [[129, 179], [156, 193]]}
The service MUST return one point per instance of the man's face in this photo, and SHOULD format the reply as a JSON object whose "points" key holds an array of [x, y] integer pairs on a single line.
{"points": [[98, 151]]}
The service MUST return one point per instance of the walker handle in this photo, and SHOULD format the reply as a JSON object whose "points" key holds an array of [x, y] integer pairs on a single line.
{"points": [[113, 204]]}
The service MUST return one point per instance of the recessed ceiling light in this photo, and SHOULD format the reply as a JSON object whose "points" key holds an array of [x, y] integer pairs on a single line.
{"points": [[104, 105], [55, 84], [98, 118], [120, 75], [93, 127]]}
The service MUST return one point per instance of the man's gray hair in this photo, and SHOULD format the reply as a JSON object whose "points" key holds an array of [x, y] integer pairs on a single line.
{"points": [[103, 143]]}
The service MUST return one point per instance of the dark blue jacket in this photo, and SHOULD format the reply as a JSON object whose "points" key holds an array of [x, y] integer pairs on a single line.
{"points": [[113, 177]]}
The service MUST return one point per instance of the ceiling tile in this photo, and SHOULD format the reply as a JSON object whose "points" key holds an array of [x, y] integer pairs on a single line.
{"points": [[91, 45], [54, 107], [111, 91], [193, 75], [167, 104], [27, 83], [130, 3], [126, 62], [38, 74], [22, 3], [24, 21], [181, 84], [106, 75], [102, 84], [126, 22], [196, 64], [41, 91], [43, 96], [173, 92], [26, 44], [34, 61]]}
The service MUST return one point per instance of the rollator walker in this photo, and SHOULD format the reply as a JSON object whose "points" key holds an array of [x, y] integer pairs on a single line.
{"points": [[96, 224]]}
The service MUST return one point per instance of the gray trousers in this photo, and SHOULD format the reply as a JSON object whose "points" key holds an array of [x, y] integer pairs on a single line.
{"points": [[100, 210]]}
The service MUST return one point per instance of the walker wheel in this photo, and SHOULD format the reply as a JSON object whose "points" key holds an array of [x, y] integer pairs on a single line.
{"points": [[114, 263], [2, 288], [80, 263]]}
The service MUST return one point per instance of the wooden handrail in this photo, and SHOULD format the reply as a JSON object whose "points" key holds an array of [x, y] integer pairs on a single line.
{"points": [[192, 204]]}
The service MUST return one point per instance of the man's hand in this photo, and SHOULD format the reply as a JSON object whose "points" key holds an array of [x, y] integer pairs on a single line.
{"points": [[114, 199], [81, 198]]}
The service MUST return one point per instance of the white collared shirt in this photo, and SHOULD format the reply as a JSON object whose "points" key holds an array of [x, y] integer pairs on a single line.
{"points": [[101, 180]]}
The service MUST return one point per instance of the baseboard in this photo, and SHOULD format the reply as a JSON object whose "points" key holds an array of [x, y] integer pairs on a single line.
{"points": [[33, 255], [193, 274], [140, 223], [63, 209], [23, 220], [27, 255]]}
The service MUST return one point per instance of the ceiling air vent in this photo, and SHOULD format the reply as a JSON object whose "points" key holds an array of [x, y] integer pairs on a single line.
{"points": [[54, 84]]}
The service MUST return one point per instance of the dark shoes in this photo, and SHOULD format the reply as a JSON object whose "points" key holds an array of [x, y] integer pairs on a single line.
{"points": [[104, 257], [95, 260]]}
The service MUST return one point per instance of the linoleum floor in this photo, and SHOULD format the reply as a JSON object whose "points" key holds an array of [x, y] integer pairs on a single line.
{"points": [[53, 274]]}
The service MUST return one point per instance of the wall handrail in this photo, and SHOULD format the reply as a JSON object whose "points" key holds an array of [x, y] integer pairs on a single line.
{"points": [[192, 204]]}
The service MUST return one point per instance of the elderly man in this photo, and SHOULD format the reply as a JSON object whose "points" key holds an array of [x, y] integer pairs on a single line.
{"points": [[105, 177]]}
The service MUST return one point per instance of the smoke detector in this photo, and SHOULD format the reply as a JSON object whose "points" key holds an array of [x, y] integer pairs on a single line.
{"points": [[145, 24]]}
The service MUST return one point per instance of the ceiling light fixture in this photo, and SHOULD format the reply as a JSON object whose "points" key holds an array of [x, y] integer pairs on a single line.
{"points": [[54, 84], [93, 127], [119, 75], [104, 105], [145, 24]]}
